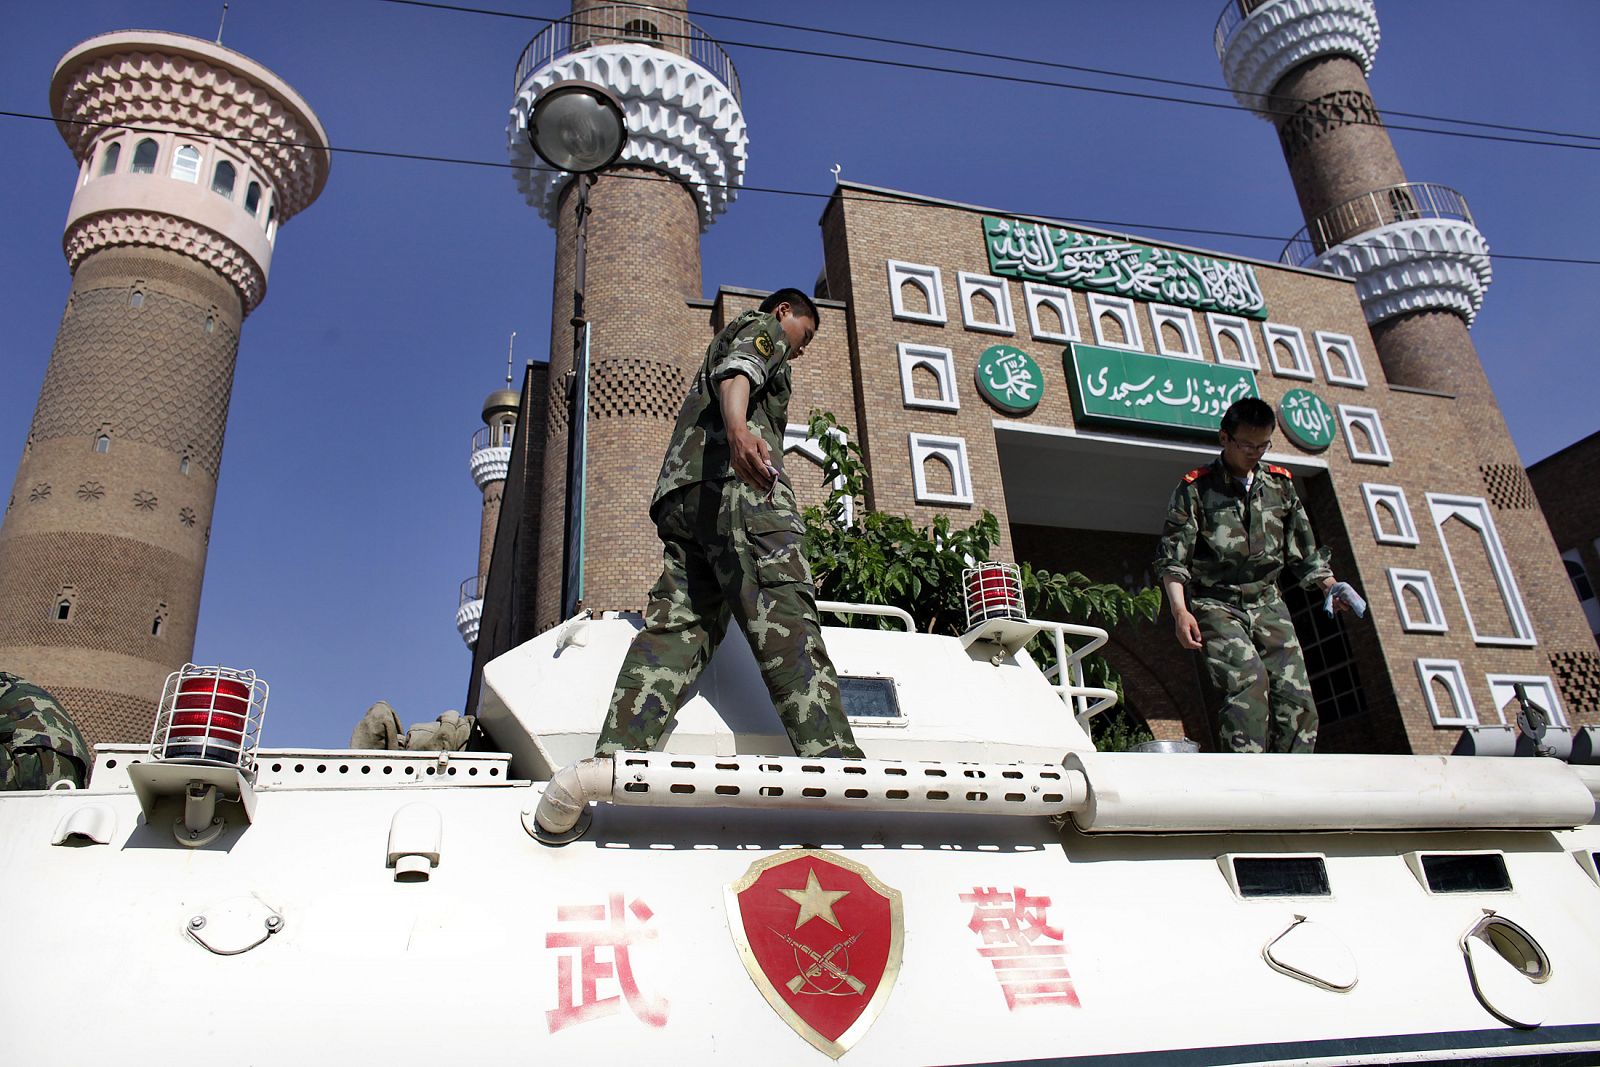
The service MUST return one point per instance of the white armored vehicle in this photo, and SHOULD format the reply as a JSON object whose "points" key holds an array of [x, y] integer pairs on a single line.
{"points": [[985, 887]]}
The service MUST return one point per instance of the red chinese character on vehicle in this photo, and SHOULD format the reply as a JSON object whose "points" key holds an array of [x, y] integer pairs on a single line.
{"points": [[1027, 953], [577, 994]]}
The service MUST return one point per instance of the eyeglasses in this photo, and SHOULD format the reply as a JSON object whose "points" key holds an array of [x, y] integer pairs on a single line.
{"points": [[1249, 446]]}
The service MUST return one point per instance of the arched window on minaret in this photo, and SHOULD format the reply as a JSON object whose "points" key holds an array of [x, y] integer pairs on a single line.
{"points": [[186, 163], [252, 198], [144, 156], [109, 157], [222, 178], [66, 601]]}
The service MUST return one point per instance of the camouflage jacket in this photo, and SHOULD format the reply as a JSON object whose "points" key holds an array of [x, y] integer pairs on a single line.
{"points": [[1229, 544], [30, 719], [752, 345]]}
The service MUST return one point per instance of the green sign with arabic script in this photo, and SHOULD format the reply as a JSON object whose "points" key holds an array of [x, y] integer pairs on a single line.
{"points": [[1155, 391], [1036, 252], [1307, 419]]}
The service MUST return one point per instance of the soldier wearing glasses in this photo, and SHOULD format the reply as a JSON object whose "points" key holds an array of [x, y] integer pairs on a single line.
{"points": [[1232, 527]]}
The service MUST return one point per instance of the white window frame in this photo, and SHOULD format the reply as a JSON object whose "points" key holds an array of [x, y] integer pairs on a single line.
{"points": [[178, 157], [924, 277], [1374, 494], [943, 364], [795, 439], [1368, 419], [952, 451], [1035, 295], [1123, 310], [1474, 511], [1326, 341], [1455, 679], [1538, 685], [1182, 319], [998, 290], [1433, 622], [1293, 340], [1220, 326]]}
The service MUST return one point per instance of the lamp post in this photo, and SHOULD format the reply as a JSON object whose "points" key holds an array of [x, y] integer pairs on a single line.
{"points": [[579, 127]]}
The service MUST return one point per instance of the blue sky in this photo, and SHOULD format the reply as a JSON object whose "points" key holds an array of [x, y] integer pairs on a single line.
{"points": [[346, 516]]}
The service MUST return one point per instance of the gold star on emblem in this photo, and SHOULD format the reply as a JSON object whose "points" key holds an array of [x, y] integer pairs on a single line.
{"points": [[815, 902]]}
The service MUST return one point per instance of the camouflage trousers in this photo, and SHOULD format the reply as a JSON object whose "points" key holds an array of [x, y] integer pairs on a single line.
{"points": [[39, 743], [1253, 659], [730, 551]]}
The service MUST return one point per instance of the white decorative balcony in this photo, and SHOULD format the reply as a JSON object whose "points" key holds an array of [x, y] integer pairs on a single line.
{"points": [[490, 464], [1258, 43], [469, 611], [683, 113]]}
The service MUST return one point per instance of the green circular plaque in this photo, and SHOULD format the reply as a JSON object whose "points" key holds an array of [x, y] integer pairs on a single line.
{"points": [[1307, 419], [1009, 379]]}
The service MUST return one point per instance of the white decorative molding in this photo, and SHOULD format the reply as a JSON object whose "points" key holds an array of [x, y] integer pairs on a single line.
{"points": [[1181, 320], [1540, 689], [1448, 673], [152, 230], [942, 362], [1474, 512], [468, 616], [999, 293], [1036, 296], [1393, 499], [1414, 265], [681, 120], [795, 439], [490, 464], [926, 278], [168, 81], [1376, 448], [1124, 312], [1430, 617], [1287, 341], [1341, 363], [1279, 36], [952, 452], [1236, 330]]}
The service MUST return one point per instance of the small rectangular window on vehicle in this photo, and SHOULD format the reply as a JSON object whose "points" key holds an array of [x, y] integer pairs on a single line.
{"points": [[870, 699], [1281, 876]]}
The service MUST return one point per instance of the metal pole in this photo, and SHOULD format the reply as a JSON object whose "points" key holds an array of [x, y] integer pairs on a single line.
{"points": [[577, 419]]}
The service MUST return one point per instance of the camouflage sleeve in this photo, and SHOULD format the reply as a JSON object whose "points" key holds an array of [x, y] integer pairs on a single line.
{"points": [[754, 352], [1307, 564], [1176, 548]]}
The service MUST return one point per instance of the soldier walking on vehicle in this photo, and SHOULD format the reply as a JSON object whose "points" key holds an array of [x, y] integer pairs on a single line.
{"points": [[730, 531], [1231, 528]]}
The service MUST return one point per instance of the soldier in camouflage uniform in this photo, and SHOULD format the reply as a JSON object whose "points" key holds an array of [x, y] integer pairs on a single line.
{"points": [[1231, 528], [39, 744], [727, 519]]}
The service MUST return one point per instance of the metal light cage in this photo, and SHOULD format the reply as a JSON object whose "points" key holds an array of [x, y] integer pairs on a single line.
{"points": [[210, 715], [993, 591]]}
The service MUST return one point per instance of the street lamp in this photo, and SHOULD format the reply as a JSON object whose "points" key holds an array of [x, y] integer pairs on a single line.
{"points": [[579, 127]]}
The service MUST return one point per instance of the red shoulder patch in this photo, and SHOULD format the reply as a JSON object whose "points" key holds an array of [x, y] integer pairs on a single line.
{"points": [[1273, 468], [1189, 478]]}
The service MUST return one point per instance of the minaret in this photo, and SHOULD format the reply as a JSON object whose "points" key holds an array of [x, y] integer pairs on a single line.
{"points": [[683, 164], [169, 238], [1418, 261], [491, 458]]}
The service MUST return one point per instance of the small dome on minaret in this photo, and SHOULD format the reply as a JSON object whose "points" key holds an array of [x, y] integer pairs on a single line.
{"points": [[500, 402]]}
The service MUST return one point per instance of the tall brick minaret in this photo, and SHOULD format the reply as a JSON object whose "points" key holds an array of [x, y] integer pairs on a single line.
{"points": [[169, 238], [491, 457], [683, 164], [1419, 263]]}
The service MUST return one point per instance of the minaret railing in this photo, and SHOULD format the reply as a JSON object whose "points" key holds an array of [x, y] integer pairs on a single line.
{"points": [[1394, 203], [627, 24]]}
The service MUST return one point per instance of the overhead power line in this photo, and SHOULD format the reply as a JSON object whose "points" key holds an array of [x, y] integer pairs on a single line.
{"points": [[1014, 79], [488, 164], [1107, 72]]}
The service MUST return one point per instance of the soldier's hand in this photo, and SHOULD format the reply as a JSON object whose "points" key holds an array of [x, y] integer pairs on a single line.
{"points": [[751, 459], [1188, 631]]}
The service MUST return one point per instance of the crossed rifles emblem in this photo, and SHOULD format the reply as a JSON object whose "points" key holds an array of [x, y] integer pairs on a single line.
{"points": [[817, 903]]}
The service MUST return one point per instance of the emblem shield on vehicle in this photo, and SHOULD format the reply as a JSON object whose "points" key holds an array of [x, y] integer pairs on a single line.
{"points": [[821, 938]]}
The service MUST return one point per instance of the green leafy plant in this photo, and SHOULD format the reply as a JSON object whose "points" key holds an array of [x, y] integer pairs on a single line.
{"points": [[879, 558]]}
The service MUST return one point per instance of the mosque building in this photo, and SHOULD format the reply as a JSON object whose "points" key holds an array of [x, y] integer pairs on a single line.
{"points": [[1065, 378]]}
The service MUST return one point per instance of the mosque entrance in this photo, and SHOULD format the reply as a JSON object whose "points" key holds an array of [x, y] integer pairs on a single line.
{"points": [[1095, 503]]}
